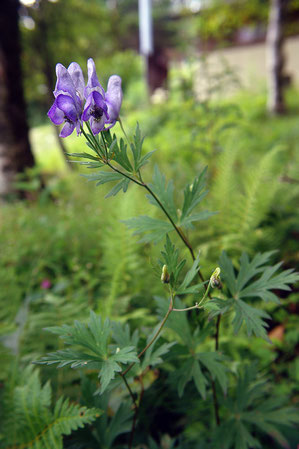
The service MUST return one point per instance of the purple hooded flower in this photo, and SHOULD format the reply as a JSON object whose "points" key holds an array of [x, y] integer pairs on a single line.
{"points": [[95, 109], [69, 96], [114, 96]]}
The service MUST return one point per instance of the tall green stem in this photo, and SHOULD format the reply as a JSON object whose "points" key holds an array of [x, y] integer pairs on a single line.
{"points": [[188, 245]]}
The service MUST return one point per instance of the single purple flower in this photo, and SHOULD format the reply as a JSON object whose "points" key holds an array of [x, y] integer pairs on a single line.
{"points": [[69, 95], [95, 109], [93, 83], [45, 284], [114, 96]]}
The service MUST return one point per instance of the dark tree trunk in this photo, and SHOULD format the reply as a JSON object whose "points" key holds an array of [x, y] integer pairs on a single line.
{"points": [[157, 70], [275, 58], [15, 151]]}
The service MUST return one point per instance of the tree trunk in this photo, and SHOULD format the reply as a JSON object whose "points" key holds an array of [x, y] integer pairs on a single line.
{"points": [[15, 151], [275, 58]]}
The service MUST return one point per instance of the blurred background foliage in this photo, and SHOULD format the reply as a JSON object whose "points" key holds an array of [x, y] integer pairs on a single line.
{"points": [[64, 249]]}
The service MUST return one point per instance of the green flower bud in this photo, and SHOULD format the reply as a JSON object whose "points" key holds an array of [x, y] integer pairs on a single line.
{"points": [[165, 276], [215, 279]]}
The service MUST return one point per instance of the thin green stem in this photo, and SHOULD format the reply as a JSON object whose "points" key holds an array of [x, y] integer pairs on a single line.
{"points": [[198, 304], [136, 412], [157, 333], [105, 145], [129, 389], [217, 332], [146, 186], [123, 174], [187, 308], [170, 309], [188, 245], [86, 136], [123, 130], [215, 402], [177, 229], [92, 141]]}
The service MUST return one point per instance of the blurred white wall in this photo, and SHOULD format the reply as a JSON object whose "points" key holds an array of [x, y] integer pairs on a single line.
{"points": [[249, 62]]}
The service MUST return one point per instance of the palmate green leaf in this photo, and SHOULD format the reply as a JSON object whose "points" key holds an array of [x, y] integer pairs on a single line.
{"points": [[144, 160], [164, 192], [93, 337], [120, 423], [218, 306], [108, 428], [107, 373], [228, 273], [154, 229], [122, 185], [199, 379], [253, 409], [122, 336], [203, 215], [89, 164], [194, 194], [85, 155], [255, 279], [103, 176], [213, 362], [190, 370], [248, 269], [136, 147], [269, 280], [76, 359], [171, 259], [112, 423], [253, 318], [185, 287], [153, 355], [120, 155]]}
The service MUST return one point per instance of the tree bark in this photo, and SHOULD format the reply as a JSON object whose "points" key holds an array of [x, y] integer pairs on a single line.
{"points": [[275, 58], [15, 151]]}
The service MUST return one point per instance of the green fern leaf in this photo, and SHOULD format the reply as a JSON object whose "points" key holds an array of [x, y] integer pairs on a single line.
{"points": [[37, 425]]}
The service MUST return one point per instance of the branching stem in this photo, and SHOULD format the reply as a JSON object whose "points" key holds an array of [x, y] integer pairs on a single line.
{"points": [[129, 390], [217, 332], [186, 242], [136, 411], [170, 309], [215, 402]]}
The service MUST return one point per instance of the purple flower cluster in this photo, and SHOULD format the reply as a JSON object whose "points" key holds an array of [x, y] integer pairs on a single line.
{"points": [[76, 103]]}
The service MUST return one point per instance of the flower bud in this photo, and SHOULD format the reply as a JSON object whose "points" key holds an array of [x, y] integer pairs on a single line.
{"points": [[215, 279], [165, 276]]}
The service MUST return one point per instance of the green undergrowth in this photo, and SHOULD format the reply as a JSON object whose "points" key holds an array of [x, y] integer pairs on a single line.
{"points": [[66, 249]]}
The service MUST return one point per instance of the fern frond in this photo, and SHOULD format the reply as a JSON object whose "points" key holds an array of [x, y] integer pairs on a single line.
{"points": [[122, 256], [33, 424], [259, 190]]}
